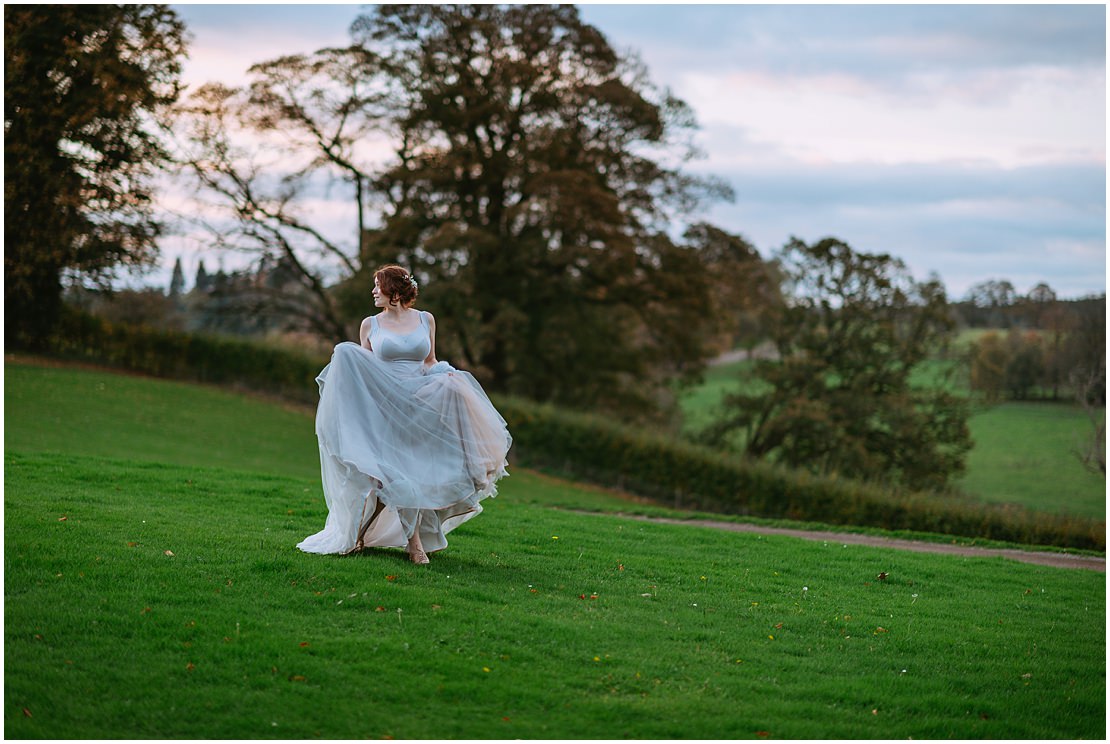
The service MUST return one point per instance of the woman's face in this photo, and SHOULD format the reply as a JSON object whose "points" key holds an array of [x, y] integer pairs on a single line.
{"points": [[380, 300]]}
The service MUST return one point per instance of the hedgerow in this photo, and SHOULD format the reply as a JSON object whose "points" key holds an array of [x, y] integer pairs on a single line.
{"points": [[688, 476]]}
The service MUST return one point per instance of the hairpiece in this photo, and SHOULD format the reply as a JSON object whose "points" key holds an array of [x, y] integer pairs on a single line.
{"points": [[412, 281]]}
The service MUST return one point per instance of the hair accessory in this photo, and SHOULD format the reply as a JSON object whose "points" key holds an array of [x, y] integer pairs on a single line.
{"points": [[412, 281]]}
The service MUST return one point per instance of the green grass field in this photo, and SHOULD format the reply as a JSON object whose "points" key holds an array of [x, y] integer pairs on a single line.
{"points": [[1023, 452], [153, 590]]}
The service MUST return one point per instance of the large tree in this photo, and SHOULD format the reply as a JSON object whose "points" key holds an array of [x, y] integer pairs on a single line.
{"points": [[83, 87], [537, 182], [533, 183], [838, 398], [258, 152]]}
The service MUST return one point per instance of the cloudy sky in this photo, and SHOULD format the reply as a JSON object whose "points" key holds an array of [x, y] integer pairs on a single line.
{"points": [[969, 141]]}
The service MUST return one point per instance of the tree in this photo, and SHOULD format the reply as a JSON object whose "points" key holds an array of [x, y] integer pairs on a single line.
{"points": [[989, 359], [1089, 386], [1086, 348], [838, 399], [1026, 369], [536, 181], [994, 299], [318, 110], [83, 88], [177, 280], [202, 282]]}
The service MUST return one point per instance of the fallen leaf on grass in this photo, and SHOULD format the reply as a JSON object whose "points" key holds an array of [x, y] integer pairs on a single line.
{"points": [[880, 629], [26, 712], [391, 577], [169, 553], [62, 519], [304, 643], [190, 666], [297, 678], [882, 576]]}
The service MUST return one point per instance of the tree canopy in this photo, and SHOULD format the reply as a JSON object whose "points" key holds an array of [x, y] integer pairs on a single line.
{"points": [[536, 181], [535, 186], [838, 396], [83, 87]]}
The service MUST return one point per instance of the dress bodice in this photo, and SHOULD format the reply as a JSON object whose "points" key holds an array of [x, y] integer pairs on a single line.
{"points": [[407, 350]]}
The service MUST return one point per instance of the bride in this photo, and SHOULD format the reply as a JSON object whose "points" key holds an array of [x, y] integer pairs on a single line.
{"points": [[408, 446]]}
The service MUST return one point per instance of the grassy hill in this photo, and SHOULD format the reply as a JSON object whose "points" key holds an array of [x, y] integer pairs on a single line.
{"points": [[153, 590]]}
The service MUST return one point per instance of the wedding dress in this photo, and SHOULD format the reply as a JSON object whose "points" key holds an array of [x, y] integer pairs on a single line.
{"points": [[424, 443]]}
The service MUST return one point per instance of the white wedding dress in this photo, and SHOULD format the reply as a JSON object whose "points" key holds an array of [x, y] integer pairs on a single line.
{"points": [[424, 443]]}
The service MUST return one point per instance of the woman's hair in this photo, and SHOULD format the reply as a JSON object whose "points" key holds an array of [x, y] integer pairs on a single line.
{"points": [[397, 284]]}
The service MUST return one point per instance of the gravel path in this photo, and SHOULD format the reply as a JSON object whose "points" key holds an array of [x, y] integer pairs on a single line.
{"points": [[1041, 558]]}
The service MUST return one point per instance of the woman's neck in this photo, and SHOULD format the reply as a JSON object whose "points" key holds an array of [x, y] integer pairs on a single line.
{"points": [[396, 311]]}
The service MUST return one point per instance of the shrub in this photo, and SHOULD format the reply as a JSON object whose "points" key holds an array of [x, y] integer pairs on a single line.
{"points": [[184, 356]]}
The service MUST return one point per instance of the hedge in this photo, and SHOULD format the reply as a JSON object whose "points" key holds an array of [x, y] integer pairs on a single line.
{"points": [[588, 447], [186, 356], [688, 476]]}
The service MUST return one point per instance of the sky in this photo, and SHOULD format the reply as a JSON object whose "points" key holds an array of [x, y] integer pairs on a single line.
{"points": [[967, 140]]}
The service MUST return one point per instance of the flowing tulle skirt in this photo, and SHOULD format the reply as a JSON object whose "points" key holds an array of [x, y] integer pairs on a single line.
{"points": [[425, 445]]}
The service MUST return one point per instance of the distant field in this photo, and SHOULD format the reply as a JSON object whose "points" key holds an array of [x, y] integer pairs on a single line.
{"points": [[1023, 452]]}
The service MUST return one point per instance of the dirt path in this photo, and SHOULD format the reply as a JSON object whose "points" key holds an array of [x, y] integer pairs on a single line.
{"points": [[1041, 558]]}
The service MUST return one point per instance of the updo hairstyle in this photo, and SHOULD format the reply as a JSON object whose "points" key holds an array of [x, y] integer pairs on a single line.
{"points": [[397, 284]]}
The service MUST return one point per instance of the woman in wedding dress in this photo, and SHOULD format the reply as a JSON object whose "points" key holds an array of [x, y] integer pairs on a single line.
{"points": [[409, 446]]}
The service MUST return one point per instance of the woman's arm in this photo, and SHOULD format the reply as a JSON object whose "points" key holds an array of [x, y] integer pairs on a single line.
{"points": [[364, 334], [431, 358]]}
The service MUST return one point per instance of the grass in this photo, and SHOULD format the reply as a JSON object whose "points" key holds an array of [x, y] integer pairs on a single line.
{"points": [[65, 409], [1022, 454], [535, 623]]}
